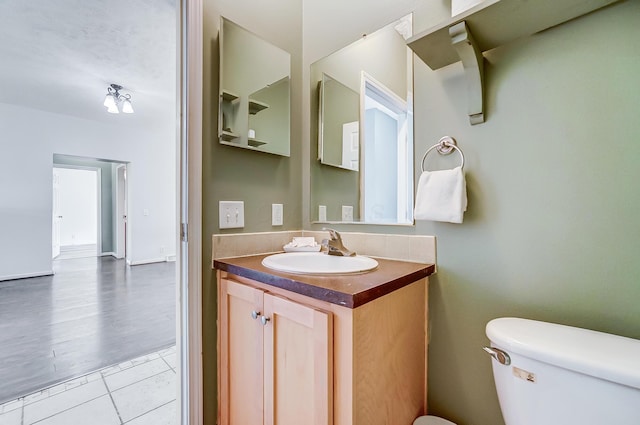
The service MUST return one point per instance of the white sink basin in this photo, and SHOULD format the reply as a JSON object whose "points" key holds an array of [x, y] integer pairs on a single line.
{"points": [[318, 263]]}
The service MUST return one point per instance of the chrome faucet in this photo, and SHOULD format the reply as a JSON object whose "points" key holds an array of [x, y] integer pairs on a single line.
{"points": [[334, 244]]}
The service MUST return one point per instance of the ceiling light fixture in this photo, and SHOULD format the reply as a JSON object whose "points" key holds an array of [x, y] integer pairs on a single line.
{"points": [[114, 98]]}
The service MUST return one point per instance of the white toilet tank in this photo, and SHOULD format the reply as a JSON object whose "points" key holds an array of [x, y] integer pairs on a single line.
{"points": [[560, 375]]}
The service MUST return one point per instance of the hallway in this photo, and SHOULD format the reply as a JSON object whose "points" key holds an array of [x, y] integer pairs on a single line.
{"points": [[92, 313]]}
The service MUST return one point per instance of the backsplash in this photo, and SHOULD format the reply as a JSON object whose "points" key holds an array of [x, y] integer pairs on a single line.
{"points": [[413, 248]]}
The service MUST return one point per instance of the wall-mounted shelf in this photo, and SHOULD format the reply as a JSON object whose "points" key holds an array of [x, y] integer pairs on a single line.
{"points": [[497, 22], [256, 106], [488, 25]]}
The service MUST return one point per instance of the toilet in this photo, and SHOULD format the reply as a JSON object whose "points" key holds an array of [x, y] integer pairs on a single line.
{"points": [[431, 420], [547, 373]]}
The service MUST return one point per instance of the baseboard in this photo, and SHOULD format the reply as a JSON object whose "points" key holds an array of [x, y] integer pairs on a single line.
{"points": [[170, 258], [149, 261], [26, 275], [106, 254]]}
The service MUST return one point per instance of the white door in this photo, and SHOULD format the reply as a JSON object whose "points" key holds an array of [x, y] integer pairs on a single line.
{"points": [[121, 211], [351, 145], [57, 217], [78, 189]]}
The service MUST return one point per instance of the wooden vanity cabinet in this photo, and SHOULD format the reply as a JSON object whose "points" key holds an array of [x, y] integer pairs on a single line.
{"points": [[275, 359], [289, 359]]}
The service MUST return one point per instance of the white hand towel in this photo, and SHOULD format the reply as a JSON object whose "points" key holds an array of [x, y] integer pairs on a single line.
{"points": [[441, 196]]}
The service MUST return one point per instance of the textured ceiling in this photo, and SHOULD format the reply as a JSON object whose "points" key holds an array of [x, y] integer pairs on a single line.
{"points": [[60, 55]]}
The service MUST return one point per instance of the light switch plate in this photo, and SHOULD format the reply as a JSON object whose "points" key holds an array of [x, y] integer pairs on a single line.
{"points": [[276, 214], [231, 214], [347, 213], [322, 213]]}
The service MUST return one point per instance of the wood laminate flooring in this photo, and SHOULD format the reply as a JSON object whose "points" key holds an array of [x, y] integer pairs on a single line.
{"points": [[92, 313]]}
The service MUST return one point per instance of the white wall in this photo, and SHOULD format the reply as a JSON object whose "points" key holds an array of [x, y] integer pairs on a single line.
{"points": [[29, 138]]}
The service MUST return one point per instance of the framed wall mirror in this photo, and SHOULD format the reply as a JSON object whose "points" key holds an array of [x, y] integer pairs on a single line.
{"points": [[255, 98], [362, 123]]}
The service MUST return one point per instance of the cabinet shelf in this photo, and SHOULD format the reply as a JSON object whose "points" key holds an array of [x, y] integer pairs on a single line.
{"points": [[256, 143], [227, 136], [498, 22], [256, 106], [229, 96]]}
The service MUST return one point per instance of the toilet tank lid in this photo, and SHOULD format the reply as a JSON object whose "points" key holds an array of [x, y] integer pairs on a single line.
{"points": [[606, 356]]}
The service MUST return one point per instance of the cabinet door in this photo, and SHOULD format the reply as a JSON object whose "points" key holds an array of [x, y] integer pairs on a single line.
{"points": [[241, 354], [298, 364]]}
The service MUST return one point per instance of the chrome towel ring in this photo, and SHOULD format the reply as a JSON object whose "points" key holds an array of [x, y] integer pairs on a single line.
{"points": [[445, 146]]}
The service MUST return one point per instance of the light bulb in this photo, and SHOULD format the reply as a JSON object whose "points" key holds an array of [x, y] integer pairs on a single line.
{"points": [[113, 109], [109, 101], [127, 108]]}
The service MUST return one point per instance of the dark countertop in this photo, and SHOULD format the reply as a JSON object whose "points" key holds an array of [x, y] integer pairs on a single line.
{"points": [[351, 290]]}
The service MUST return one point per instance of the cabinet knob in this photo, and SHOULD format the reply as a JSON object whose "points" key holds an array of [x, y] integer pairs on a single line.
{"points": [[264, 320], [255, 314]]}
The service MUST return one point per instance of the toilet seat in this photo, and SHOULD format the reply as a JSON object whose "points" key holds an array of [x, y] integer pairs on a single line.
{"points": [[431, 420]]}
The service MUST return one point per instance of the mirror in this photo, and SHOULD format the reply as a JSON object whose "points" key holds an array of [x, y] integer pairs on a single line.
{"points": [[339, 124], [362, 122], [254, 92]]}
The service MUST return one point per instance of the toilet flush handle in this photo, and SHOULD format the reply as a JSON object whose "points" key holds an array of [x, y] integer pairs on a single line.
{"points": [[501, 356]]}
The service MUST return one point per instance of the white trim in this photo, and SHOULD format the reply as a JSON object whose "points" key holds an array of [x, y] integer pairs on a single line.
{"points": [[120, 249], [26, 275], [189, 252], [146, 261]]}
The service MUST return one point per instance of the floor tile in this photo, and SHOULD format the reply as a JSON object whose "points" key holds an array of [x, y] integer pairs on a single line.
{"points": [[11, 405], [171, 359], [163, 415], [14, 417], [62, 401], [146, 395], [40, 395], [135, 374], [99, 411]]}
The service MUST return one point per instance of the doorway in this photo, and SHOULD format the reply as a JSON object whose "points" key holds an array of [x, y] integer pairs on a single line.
{"points": [[111, 202], [76, 212], [387, 148]]}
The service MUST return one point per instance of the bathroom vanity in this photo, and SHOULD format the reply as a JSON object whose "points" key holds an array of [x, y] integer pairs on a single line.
{"points": [[321, 349]]}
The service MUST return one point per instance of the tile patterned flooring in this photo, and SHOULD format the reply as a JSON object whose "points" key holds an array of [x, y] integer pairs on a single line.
{"points": [[141, 391]]}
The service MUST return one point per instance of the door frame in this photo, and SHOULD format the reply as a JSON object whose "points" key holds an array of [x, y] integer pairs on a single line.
{"points": [[121, 248], [189, 214]]}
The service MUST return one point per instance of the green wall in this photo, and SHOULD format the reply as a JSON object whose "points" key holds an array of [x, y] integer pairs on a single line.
{"points": [[551, 231], [233, 174]]}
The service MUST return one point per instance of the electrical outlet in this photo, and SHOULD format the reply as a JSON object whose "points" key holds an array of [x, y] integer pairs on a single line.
{"points": [[347, 213], [231, 214], [322, 213], [276, 214]]}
